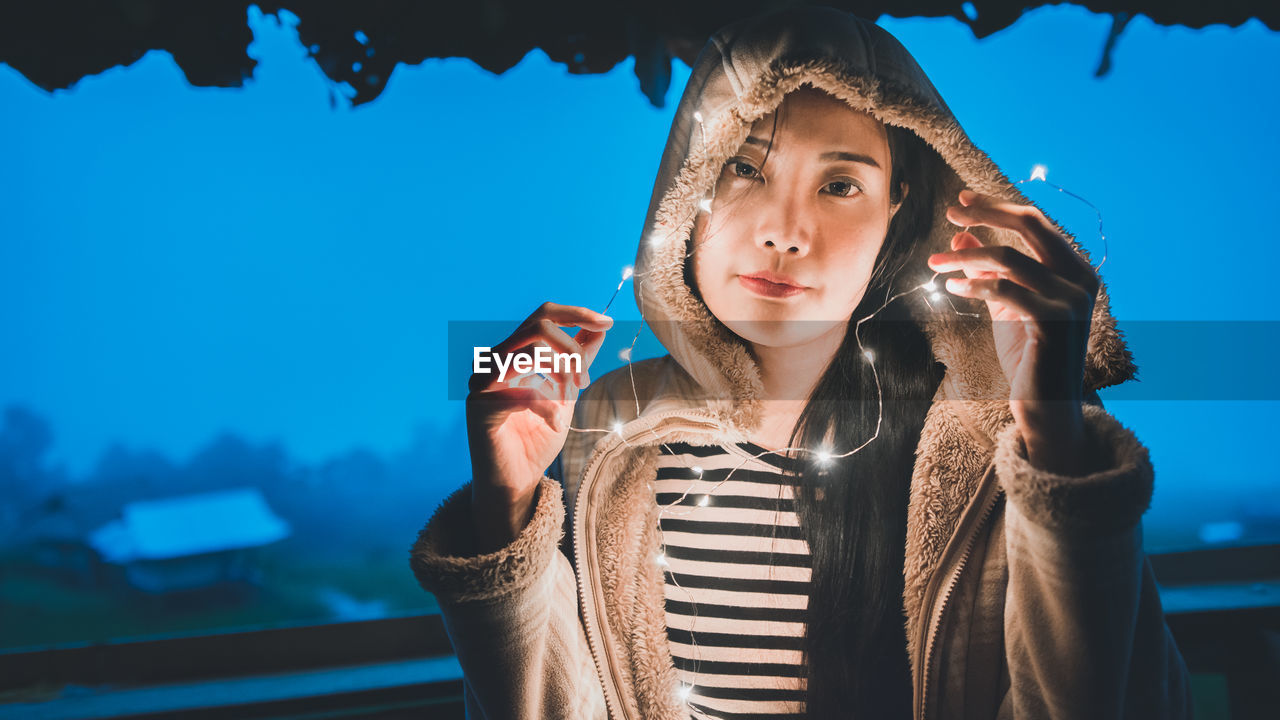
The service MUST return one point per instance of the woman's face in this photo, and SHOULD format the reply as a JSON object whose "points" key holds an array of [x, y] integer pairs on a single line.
{"points": [[814, 216]]}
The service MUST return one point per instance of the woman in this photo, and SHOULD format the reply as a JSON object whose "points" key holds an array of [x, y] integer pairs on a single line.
{"points": [[843, 492]]}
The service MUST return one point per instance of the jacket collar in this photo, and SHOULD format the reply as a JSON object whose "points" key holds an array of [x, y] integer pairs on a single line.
{"points": [[616, 536]]}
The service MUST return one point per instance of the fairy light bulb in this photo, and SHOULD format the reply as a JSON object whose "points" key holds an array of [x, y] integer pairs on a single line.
{"points": [[684, 692], [697, 470], [627, 272], [824, 456], [705, 204], [1039, 172], [703, 502], [870, 356], [617, 428], [697, 115], [661, 559], [624, 354], [931, 286]]}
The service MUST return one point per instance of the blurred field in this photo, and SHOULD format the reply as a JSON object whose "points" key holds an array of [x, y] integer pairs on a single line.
{"points": [[38, 608]]}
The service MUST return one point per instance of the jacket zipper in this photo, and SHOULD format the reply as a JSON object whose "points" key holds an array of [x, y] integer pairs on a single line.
{"points": [[592, 610], [990, 492]]}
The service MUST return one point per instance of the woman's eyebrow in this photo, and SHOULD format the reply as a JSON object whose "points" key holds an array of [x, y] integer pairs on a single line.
{"points": [[851, 157], [832, 155]]}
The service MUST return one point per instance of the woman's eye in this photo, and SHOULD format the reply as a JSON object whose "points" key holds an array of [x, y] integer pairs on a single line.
{"points": [[844, 188], [742, 169]]}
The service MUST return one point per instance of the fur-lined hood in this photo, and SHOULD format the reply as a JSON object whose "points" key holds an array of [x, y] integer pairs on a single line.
{"points": [[741, 75], [1006, 604]]}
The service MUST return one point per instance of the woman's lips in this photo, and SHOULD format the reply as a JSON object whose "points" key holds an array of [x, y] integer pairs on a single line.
{"points": [[769, 289]]}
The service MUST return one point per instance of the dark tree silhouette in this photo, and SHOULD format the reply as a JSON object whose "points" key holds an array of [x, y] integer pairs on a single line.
{"points": [[55, 43], [25, 437]]}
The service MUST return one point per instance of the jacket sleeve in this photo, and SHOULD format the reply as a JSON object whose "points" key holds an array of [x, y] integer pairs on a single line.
{"points": [[1085, 635], [512, 614]]}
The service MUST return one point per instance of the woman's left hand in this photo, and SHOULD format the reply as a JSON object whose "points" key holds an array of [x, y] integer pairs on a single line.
{"points": [[1041, 309]]}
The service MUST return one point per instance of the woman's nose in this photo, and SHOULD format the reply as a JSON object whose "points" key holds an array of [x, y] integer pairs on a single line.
{"points": [[784, 227], [788, 247]]}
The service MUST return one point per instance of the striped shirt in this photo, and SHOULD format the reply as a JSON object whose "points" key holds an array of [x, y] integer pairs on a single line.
{"points": [[735, 614]]}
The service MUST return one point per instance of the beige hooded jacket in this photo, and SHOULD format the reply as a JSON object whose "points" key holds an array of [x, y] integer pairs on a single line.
{"points": [[1027, 594]]}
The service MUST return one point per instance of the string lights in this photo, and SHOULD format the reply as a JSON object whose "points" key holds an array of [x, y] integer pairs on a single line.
{"points": [[1040, 172], [825, 455]]}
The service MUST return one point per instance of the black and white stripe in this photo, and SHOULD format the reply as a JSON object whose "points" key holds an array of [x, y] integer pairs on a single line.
{"points": [[737, 579]]}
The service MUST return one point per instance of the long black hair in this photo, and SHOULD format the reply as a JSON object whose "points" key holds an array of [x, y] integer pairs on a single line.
{"points": [[853, 510]]}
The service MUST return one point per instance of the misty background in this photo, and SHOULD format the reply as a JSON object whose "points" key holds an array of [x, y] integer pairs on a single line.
{"points": [[205, 289]]}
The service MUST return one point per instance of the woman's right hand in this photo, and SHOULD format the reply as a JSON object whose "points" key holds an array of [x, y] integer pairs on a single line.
{"points": [[516, 427]]}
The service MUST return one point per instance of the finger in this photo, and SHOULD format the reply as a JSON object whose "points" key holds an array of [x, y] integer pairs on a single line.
{"points": [[495, 377], [542, 331], [1044, 239], [542, 325], [1002, 261], [553, 385], [574, 315], [551, 315], [570, 315], [1046, 243], [1030, 305], [591, 341], [498, 404], [963, 240]]}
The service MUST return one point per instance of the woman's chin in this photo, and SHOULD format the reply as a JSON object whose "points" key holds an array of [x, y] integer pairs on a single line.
{"points": [[781, 332]]}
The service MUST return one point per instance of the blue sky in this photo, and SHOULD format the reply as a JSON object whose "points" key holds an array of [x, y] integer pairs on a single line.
{"points": [[177, 261]]}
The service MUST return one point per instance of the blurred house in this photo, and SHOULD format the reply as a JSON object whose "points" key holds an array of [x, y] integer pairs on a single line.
{"points": [[190, 542]]}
